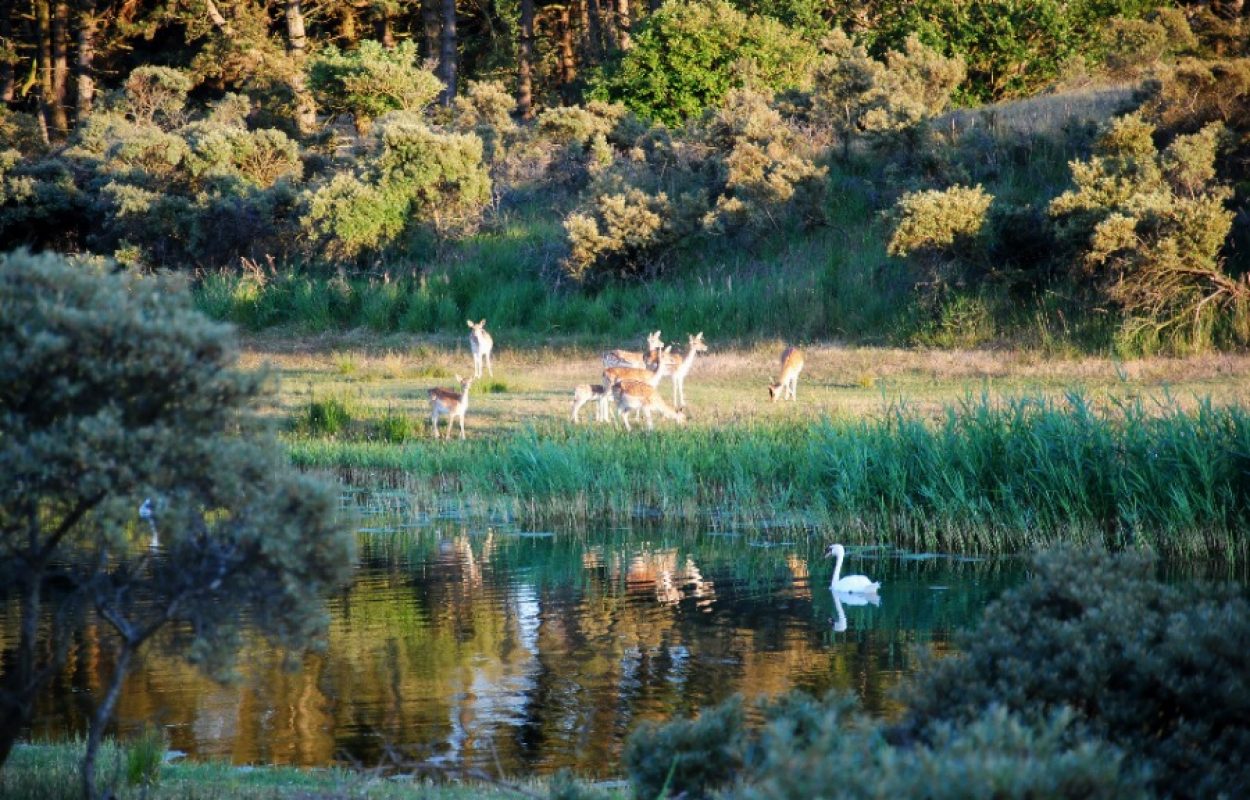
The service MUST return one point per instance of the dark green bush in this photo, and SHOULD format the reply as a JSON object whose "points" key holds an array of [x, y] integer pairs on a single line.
{"points": [[1161, 671], [687, 758]]}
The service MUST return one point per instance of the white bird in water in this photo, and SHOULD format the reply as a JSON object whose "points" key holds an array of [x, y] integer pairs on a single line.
{"points": [[851, 584], [147, 511], [851, 599]]}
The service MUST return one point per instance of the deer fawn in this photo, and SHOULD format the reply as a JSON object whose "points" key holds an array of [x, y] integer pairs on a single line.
{"points": [[481, 344], [681, 366], [586, 392], [643, 397], [628, 358], [788, 381], [451, 403]]}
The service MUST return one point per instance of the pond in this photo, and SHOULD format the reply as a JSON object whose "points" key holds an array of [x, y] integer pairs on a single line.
{"points": [[521, 651]]}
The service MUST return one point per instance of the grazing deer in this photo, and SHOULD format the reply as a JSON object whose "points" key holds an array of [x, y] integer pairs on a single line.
{"points": [[643, 397], [451, 403], [681, 366], [628, 358], [584, 393], [481, 344], [787, 384], [658, 367]]}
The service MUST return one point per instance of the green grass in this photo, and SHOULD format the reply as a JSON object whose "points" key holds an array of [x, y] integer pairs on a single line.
{"points": [[987, 478], [50, 772]]}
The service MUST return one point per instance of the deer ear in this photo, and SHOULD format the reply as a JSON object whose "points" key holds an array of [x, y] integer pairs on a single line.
{"points": [[483, 322], [469, 322]]}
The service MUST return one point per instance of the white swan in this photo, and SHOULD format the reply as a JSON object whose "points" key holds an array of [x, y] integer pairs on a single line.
{"points": [[851, 584]]}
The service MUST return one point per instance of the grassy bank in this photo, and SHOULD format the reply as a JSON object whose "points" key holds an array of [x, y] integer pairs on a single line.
{"points": [[49, 771], [988, 477]]}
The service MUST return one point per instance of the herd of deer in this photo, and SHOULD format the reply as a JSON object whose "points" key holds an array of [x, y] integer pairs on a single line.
{"points": [[631, 381]]}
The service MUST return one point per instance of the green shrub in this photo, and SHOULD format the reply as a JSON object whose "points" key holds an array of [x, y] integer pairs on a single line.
{"points": [[157, 95], [858, 95], [1148, 227], [328, 417], [144, 757], [687, 56], [1161, 671], [687, 758], [415, 177], [372, 80], [397, 429]]}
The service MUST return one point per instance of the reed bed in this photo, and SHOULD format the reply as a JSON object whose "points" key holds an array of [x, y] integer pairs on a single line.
{"points": [[988, 477]]}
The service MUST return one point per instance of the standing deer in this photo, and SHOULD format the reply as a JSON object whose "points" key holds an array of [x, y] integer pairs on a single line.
{"points": [[787, 384], [451, 403], [481, 344], [658, 367], [681, 367], [629, 358], [584, 393], [642, 397]]}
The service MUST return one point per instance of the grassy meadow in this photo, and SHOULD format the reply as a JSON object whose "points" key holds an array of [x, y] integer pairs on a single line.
{"points": [[42, 771], [978, 451]]}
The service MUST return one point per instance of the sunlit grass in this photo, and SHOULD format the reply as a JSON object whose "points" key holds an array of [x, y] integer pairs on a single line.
{"points": [[50, 772], [988, 477]]}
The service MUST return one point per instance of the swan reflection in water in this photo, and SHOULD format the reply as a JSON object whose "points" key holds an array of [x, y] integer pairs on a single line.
{"points": [[851, 599]]}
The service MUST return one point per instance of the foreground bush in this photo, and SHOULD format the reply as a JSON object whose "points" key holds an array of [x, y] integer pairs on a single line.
{"points": [[1093, 680]]}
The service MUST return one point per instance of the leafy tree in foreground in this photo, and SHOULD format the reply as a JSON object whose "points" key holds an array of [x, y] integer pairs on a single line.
{"points": [[114, 390]]}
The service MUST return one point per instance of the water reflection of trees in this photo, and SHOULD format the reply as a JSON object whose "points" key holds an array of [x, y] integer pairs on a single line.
{"points": [[542, 651]]}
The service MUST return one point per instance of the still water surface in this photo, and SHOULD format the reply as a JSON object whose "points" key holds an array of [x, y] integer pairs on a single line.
{"points": [[527, 651]]}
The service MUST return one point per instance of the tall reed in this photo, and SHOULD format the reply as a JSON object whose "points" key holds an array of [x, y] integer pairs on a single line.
{"points": [[988, 477]]}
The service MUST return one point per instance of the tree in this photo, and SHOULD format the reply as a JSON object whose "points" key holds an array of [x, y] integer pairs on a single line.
{"points": [[114, 389], [687, 56]]}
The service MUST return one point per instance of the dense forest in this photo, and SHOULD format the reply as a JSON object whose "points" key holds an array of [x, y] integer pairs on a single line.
{"points": [[939, 172]]}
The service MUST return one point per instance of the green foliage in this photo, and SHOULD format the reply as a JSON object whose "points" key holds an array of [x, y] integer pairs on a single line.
{"points": [[740, 170], [1157, 670], [687, 56], [1010, 48], [415, 177], [986, 477], [157, 95], [687, 758], [938, 220], [1148, 227], [372, 80], [857, 95], [145, 756], [114, 389], [328, 417]]}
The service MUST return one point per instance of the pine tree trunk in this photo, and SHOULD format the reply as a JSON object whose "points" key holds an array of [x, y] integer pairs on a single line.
{"points": [[525, 62], [447, 54], [568, 64], [430, 28], [60, 67], [623, 24], [21, 684], [297, 45], [47, 86], [8, 74], [590, 32], [85, 94], [385, 25]]}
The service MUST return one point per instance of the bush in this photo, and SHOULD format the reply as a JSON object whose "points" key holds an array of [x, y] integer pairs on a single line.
{"points": [[415, 177], [687, 758], [687, 56], [1149, 227], [1160, 671], [741, 170], [858, 95], [372, 80]]}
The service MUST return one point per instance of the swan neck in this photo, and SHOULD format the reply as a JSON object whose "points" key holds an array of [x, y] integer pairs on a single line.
{"points": [[837, 569]]}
